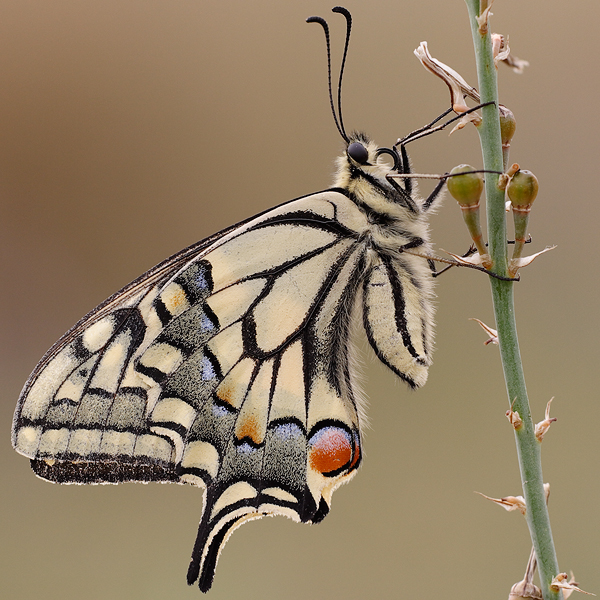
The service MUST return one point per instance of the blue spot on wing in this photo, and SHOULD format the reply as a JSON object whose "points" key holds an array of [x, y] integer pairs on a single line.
{"points": [[287, 431], [206, 324], [245, 448], [220, 411], [207, 372], [326, 432], [201, 281]]}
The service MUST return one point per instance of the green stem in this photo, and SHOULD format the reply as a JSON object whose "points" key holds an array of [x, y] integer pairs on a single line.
{"points": [[528, 447]]}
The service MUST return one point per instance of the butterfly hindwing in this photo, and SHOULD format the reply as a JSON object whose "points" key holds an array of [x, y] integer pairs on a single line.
{"points": [[398, 313]]}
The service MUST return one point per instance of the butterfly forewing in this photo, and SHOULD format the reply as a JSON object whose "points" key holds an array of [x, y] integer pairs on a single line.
{"points": [[228, 372]]}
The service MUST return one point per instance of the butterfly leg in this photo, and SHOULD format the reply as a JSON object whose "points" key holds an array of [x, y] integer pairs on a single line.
{"points": [[408, 181], [406, 190], [408, 184], [436, 273], [429, 128], [417, 242], [427, 204], [469, 252]]}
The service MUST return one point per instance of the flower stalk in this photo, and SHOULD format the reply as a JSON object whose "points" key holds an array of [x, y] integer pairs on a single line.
{"points": [[528, 447]]}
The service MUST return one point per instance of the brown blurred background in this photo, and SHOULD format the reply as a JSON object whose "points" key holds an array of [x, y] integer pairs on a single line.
{"points": [[131, 129]]}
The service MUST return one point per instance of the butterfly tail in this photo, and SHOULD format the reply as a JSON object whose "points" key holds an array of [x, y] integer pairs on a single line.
{"points": [[213, 532], [203, 563], [208, 562]]}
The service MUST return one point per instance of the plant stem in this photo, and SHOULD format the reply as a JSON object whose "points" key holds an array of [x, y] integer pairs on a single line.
{"points": [[528, 447]]}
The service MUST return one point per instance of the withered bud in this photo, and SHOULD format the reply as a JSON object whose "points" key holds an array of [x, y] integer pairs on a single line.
{"points": [[514, 418]]}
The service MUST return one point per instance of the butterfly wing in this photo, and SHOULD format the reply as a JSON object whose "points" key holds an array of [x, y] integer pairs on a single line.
{"points": [[225, 367], [398, 314]]}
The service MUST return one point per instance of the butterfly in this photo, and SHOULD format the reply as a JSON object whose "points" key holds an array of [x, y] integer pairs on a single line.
{"points": [[229, 365]]}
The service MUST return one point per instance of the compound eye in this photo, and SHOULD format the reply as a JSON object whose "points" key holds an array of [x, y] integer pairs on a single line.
{"points": [[357, 152]]}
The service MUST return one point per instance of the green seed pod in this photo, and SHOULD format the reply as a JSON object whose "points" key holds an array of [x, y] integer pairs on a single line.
{"points": [[465, 189], [522, 189], [508, 125]]}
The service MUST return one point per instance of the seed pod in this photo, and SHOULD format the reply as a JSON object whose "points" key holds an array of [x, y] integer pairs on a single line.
{"points": [[522, 189], [508, 125], [465, 189]]}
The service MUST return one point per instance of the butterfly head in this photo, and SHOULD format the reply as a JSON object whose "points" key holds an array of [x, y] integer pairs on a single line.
{"points": [[362, 152], [363, 170], [363, 155]]}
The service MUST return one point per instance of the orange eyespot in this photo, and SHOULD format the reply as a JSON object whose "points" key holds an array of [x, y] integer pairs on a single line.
{"points": [[330, 449]]}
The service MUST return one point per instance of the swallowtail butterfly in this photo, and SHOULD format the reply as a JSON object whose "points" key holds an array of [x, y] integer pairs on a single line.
{"points": [[228, 365]]}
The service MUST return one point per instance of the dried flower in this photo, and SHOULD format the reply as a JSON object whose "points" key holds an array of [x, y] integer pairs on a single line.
{"points": [[509, 503], [457, 85], [526, 589], [560, 583], [483, 19], [515, 63], [491, 332], [542, 427], [500, 48], [514, 417]]}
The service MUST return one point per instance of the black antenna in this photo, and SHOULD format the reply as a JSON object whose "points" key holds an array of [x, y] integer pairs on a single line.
{"points": [[323, 23], [346, 13]]}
